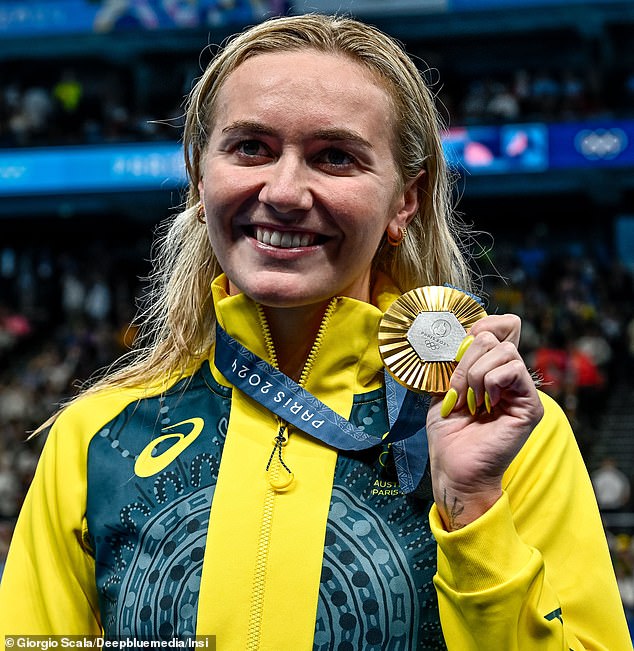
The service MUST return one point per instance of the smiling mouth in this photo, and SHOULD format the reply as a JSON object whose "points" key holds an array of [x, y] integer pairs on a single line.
{"points": [[285, 239]]}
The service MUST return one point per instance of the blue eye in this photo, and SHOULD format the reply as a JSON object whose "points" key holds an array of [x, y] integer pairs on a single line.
{"points": [[337, 157], [251, 148]]}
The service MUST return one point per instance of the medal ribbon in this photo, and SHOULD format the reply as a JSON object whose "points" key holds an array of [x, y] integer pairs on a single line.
{"points": [[408, 410], [280, 394]]}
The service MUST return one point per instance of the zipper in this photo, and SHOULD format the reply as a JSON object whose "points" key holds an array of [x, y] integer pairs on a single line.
{"points": [[310, 360], [279, 475]]}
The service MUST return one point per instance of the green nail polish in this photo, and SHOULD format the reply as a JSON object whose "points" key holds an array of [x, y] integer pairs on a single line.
{"points": [[449, 402], [487, 402], [462, 349], [471, 401]]}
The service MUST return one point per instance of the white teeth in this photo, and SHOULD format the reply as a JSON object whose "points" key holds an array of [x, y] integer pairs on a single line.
{"points": [[283, 240]]}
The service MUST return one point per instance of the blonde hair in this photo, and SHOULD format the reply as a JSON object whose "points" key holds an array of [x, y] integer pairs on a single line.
{"points": [[177, 322]]}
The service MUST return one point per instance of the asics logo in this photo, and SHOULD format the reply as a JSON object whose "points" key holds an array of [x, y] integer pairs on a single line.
{"points": [[148, 464]]}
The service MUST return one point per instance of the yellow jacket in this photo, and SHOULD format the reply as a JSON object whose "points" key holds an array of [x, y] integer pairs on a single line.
{"points": [[153, 515]]}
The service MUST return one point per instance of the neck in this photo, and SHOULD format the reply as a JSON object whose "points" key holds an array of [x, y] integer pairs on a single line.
{"points": [[294, 331]]}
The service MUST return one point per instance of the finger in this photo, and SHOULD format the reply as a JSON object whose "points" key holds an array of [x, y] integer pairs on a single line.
{"points": [[511, 386], [506, 327], [497, 356], [500, 375], [471, 349]]}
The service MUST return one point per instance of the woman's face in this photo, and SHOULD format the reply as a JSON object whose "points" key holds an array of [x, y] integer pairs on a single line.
{"points": [[299, 181]]}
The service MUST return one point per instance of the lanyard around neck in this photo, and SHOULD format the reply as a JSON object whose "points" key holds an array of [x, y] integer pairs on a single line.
{"points": [[280, 394]]}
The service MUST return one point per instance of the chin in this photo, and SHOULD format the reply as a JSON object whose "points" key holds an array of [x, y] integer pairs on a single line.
{"points": [[284, 295], [279, 289], [286, 300]]}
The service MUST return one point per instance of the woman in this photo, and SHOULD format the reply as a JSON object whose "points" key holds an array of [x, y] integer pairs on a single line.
{"points": [[169, 502]]}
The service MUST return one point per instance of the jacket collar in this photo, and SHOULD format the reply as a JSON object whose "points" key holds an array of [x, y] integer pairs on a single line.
{"points": [[348, 355]]}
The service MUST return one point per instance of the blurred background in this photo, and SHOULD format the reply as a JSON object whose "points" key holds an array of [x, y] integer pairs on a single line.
{"points": [[538, 99]]}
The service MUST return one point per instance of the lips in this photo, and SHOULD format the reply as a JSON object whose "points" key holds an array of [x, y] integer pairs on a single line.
{"points": [[284, 239]]}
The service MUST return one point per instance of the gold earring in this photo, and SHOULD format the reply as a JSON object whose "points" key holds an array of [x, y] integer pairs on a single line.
{"points": [[200, 214], [393, 241]]}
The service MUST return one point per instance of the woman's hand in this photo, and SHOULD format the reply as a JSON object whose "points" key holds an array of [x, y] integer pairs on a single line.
{"points": [[476, 430]]}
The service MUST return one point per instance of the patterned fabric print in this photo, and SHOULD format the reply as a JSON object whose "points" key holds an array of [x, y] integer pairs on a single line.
{"points": [[149, 533], [376, 591]]}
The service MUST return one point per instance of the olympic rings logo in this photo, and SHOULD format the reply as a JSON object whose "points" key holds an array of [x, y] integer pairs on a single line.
{"points": [[601, 143]]}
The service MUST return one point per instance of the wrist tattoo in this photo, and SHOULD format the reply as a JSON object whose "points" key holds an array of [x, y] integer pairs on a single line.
{"points": [[452, 511]]}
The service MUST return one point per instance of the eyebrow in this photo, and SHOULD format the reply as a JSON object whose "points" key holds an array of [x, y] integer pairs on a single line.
{"points": [[330, 134], [342, 134], [248, 125]]}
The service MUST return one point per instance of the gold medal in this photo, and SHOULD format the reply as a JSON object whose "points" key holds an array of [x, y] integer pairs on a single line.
{"points": [[421, 332]]}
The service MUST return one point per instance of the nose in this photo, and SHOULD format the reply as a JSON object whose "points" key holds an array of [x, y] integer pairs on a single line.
{"points": [[286, 187]]}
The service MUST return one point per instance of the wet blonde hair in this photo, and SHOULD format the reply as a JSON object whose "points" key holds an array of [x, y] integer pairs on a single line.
{"points": [[177, 322]]}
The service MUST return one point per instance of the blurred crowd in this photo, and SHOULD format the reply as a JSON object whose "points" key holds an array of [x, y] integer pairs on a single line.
{"points": [[545, 95], [71, 105], [77, 107], [577, 306]]}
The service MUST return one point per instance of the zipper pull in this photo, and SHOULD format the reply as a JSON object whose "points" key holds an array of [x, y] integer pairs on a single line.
{"points": [[273, 470]]}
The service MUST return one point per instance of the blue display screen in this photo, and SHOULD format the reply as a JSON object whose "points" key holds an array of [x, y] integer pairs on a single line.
{"points": [[91, 169], [498, 150]]}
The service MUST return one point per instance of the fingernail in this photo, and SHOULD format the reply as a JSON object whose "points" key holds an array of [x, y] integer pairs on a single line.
{"points": [[471, 401], [487, 401], [464, 345], [448, 402]]}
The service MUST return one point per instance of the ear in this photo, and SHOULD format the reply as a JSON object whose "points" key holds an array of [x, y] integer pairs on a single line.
{"points": [[407, 206], [201, 188]]}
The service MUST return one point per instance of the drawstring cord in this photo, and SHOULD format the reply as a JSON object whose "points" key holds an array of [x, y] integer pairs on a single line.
{"points": [[279, 441]]}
